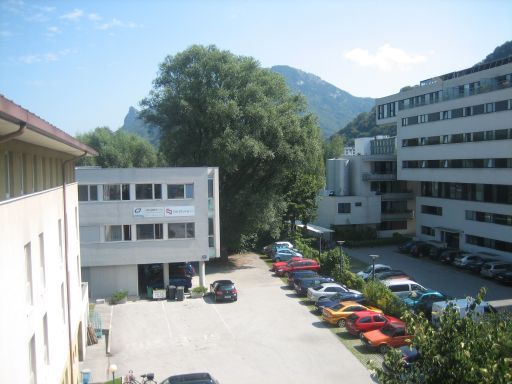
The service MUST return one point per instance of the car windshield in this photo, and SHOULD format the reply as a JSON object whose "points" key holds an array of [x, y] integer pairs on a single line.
{"points": [[317, 287], [388, 330], [227, 287]]}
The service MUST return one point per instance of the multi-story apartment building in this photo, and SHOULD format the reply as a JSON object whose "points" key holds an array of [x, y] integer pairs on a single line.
{"points": [[45, 303], [454, 137], [362, 190], [136, 224]]}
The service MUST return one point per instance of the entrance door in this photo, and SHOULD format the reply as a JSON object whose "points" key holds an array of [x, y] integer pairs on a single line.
{"points": [[451, 239], [150, 275]]}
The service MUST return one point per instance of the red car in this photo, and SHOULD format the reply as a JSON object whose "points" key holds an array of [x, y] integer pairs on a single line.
{"points": [[279, 264], [299, 265], [360, 322]]}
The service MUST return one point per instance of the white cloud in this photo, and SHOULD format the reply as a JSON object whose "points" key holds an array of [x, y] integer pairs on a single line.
{"points": [[116, 23], [45, 57], [74, 15], [94, 17], [386, 58], [52, 31]]}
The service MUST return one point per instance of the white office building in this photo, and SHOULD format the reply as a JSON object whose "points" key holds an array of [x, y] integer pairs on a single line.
{"points": [[44, 302], [362, 190], [136, 224], [454, 137]]}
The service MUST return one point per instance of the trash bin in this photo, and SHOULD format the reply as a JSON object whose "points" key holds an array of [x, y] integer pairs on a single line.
{"points": [[172, 292], [180, 293], [86, 375]]}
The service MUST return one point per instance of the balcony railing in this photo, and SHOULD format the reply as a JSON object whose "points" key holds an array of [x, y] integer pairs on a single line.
{"points": [[379, 176], [397, 196], [397, 215]]}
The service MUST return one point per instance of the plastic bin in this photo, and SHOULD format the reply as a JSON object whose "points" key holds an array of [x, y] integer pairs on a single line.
{"points": [[172, 292], [180, 293]]}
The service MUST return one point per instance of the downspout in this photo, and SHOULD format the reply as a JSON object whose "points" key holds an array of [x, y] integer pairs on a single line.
{"points": [[14, 134], [68, 290]]}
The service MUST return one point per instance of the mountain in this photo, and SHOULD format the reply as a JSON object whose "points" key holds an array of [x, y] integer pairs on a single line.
{"points": [[333, 106], [500, 52], [134, 124]]}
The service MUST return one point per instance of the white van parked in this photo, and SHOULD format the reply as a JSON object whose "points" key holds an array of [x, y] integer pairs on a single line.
{"points": [[402, 287], [462, 307]]}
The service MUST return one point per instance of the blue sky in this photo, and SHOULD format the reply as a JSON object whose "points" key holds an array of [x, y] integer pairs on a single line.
{"points": [[82, 64]]}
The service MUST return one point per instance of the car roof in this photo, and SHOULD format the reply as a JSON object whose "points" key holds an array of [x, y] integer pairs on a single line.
{"points": [[331, 285], [190, 378], [223, 282], [367, 313], [400, 281]]}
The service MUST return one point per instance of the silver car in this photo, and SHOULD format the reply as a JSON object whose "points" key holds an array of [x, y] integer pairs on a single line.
{"points": [[327, 290], [492, 268]]}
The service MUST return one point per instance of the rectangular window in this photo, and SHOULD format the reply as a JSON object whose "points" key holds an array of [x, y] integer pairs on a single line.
{"points": [[429, 231], [63, 303], [489, 107], [181, 230], [127, 232], [29, 289], [189, 191], [118, 233], [343, 207], [148, 191], [210, 187], [42, 261], [501, 134], [87, 193], [32, 364], [432, 210], [358, 204], [478, 109], [46, 340], [479, 136], [116, 192], [180, 191], [501, 105], [149, 231]]}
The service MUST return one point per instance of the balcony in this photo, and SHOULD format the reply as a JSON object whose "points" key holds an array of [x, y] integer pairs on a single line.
{"points": [[379, 157], [397, 215], [397, 196], [379, 176]]}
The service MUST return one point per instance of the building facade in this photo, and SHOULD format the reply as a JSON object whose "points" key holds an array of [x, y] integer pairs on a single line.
{"points": [[45, 302], [362, 190], [137, 224], [454, 137]]}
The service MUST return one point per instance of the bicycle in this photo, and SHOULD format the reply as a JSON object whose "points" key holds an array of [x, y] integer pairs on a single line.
{"points": [[146, 378]]}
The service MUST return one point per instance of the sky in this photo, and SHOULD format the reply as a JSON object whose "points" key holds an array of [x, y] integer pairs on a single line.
{"points": [[82, 64]]}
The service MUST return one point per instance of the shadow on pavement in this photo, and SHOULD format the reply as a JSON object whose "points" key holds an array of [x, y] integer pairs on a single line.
{"points": [[321, 324]]}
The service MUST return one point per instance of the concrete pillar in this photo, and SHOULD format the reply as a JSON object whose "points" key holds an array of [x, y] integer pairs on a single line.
{"points": [[166, 274], [202, 273]]}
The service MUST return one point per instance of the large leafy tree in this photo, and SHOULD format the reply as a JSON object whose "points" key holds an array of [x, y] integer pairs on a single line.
{"points": [[218, 109], [118, 149]]}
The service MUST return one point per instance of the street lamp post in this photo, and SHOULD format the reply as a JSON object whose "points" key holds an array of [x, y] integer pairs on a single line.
{"points": [[373, 268], [113, 368], [340, 243]]}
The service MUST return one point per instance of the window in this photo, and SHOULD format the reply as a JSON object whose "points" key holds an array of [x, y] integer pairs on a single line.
{"points": [[358, 204], [63, 302], [343, 207], [148, 191], [210, 232], [42, 262], [45, 340], [181, 230], [118, 232], [181, 191], [32, 364], [149, 231], [210, 187], [429, 231], [29, 289], [432, 210], [87, 193], [116, 192]]}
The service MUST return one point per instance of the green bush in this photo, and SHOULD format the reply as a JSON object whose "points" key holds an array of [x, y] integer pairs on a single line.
{"points": [[200, 289], [381, 297], [119, 296]]}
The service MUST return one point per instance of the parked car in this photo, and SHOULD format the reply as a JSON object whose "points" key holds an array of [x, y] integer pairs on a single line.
{"points": [[476, 264], [298, 266], [435, 249], [279, 264], [406, 248], [436, 252], [285, 254], [492, 268], [302, 284], [449, 254], [421, 302], [337, 315], [391, 274], [402, 287], [423, 248], [224, 290], [410, 355], [292, 276], [364, 321], [329, 302], [392, 335], [278, 244], [368, 272], [191, 378], [504, 277], [471, 261], [462, 306], [327, 290]]}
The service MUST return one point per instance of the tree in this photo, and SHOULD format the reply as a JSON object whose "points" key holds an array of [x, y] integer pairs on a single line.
{"points": [[472, 349], [333, 147], [118, 149], [217, 109]]}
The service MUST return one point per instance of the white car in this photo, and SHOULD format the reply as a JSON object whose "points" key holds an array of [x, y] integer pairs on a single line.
{"points": [[327, 290], [366, 273]]}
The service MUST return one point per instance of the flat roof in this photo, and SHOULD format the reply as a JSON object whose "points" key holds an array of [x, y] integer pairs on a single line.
{"points": [[37, 131]]}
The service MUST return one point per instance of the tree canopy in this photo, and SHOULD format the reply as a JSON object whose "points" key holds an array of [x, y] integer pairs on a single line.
{"points": [[118, 149], [218, 109]]}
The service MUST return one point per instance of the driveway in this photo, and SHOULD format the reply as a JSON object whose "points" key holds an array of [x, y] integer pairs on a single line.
{"points": [[445, 278], [264, 337]]}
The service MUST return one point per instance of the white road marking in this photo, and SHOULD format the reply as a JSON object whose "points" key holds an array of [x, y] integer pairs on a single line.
{"points": [[223, 321], [167, 321]]}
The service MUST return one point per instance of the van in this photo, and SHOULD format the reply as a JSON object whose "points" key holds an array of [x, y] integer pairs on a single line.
{"points": [[462, 307], [402, 287], [491, 269]]}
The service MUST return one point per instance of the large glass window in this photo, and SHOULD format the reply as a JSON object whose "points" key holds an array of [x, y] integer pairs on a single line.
{"points": [[118, 232], [149, 231], [181, 230], [343, 207], [180, 191], [29, 288], [148, 191], [87, 193], [116, 192]]}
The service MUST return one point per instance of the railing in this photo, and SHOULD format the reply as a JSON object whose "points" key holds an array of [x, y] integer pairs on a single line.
{"points": [[396, 215], [379, 176], [397, 196]]}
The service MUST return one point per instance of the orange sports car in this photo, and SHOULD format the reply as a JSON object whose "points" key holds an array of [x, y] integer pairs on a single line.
{"points": [[392, 335], [339, 313]]}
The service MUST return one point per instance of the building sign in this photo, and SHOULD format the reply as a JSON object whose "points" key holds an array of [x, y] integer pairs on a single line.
{"points": [[174, 211]]}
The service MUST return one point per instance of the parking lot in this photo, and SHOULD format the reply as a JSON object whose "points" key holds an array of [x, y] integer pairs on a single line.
{"points": [[264, 337]]}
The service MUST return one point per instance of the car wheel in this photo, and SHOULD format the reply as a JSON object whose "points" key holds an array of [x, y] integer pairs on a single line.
{"points": [[341, 323], [383, 349]]}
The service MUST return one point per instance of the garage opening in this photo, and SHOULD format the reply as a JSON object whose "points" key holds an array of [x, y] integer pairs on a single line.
{"points": [[150, 275]]}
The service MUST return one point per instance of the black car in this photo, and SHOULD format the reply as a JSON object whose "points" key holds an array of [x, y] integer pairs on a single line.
{"points": [[393, 273], [224, 290], [409, 356], [504, 277], [293, 276], [447, 255], [476, 263], [406, 248], [421, 249], [329, 302], [302, 284], [191, 378]]}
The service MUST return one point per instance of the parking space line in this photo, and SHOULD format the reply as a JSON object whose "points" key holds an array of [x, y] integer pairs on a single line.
{"points": [[167, 320], [223, 321]]}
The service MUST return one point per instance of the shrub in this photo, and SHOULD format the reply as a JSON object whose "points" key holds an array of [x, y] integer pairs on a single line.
{"points": [[200, 289], [381, 297], [119, 296]]}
